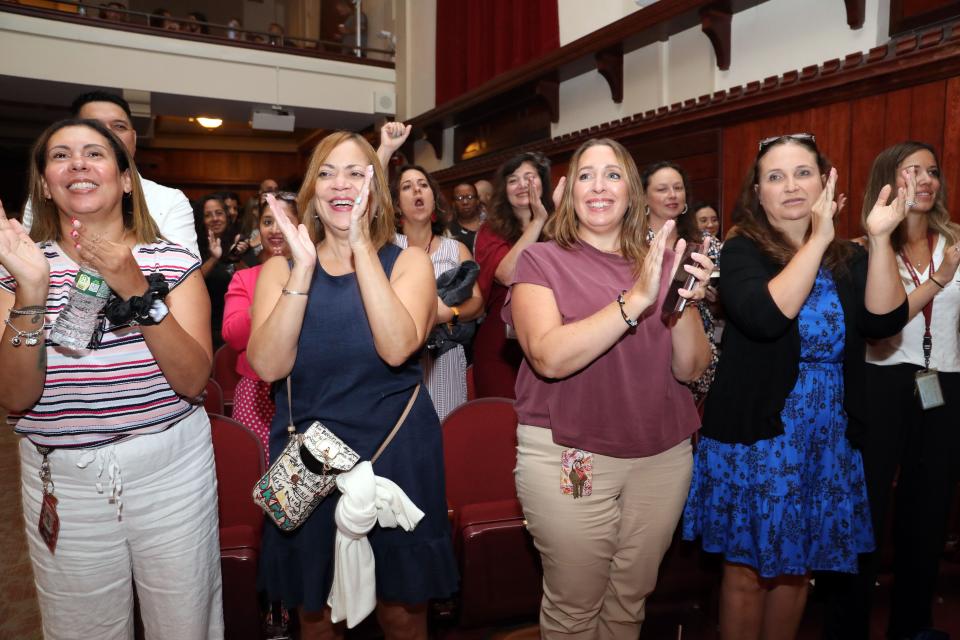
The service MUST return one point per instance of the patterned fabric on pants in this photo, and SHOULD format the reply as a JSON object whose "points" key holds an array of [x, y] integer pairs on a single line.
{"points": [[601, 553], [161, 534]]}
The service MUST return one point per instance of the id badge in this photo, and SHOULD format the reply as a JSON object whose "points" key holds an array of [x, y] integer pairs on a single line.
{"points": [[49, 525], [576, 473], [928, 388]]}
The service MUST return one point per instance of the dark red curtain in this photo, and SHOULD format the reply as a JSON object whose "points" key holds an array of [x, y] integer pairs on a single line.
{"points": [[479, 39]]}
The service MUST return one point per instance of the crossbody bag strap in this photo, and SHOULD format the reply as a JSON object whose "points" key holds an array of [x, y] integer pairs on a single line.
{"points": [[393, 432], [396, 427], [290, 428]]}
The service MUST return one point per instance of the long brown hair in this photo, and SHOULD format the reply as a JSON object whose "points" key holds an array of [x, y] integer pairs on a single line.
{"points": [[686, 223], [563, 226], [884, 172], [46, 216], [380, 215], [752, 222], [500, 216], [440, 212]]}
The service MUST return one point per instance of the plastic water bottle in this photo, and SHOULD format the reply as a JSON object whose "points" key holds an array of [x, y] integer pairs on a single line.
{"points": [[79, 318]]}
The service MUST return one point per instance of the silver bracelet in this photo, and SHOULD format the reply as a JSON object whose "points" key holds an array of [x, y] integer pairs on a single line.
{"points": [[291, 292], [30, 338], [35, 310]]}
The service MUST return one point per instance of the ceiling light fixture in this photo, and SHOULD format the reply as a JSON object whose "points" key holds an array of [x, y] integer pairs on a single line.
{"points": [[209, 123]]}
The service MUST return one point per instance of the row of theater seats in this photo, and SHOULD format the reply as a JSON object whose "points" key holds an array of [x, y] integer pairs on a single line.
{"points": [[499, 566], [239, 458]]}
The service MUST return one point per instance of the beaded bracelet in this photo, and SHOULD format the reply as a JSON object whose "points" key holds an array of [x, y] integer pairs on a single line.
{"points": [[626, 318]]}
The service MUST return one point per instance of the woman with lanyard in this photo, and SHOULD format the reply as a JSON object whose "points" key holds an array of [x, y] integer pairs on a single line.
{"points": [[914, 382]]}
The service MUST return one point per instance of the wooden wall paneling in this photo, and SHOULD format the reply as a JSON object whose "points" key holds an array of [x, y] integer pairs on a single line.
{"points": [[206, 171], [702, 166], [950, 154], [897, 116], [867, 116], [833, 122], [739, 150], [735, 163], [927, 114]]}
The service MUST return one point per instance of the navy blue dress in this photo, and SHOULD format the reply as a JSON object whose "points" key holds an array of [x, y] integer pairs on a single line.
{"points": [[797, 502], [339, 379]]}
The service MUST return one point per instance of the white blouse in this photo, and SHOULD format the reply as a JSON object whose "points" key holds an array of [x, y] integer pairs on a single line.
{"points": [[907, 346]]}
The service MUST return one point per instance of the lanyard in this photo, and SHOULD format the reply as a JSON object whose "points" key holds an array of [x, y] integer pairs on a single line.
{"points": [[928, 308]]}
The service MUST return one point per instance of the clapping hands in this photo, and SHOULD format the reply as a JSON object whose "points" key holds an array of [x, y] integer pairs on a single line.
{"points": [[302, 248], [21, 256], [884, 218]]}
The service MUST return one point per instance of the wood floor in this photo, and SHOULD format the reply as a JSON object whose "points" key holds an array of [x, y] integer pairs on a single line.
{"points": [[19, 616]]}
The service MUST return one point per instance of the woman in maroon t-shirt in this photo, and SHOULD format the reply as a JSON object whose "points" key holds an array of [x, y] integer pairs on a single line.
{"points": [[514, 222], [600, 397]]}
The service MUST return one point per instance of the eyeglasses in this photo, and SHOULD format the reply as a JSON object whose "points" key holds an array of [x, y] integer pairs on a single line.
{"points": [[467, 198], [806, 137]]}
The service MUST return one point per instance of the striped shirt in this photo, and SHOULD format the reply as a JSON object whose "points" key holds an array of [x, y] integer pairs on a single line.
{"points": [[116, 390]]}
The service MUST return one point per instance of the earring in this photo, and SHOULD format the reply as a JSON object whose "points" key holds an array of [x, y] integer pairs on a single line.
{"points": [[685, 207], [433, 217], [646, 210]]}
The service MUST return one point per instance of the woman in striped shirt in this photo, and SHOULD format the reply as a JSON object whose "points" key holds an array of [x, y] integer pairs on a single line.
{"points": [[117, 466]]}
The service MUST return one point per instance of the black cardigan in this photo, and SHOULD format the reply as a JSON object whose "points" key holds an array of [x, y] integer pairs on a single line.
{"points": [[760, 356]]}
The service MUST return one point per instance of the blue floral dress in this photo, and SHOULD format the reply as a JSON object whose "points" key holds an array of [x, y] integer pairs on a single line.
{"points": [[797, 502]]}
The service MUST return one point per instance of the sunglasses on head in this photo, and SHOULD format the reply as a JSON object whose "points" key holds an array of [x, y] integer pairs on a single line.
{"points": [[766, 142]]}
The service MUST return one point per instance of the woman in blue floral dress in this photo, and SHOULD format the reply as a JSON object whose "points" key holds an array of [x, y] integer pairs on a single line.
{"points": [[777, 488]]}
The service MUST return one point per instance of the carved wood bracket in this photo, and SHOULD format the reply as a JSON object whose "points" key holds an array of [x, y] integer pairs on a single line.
{"points": [[610, 66], [856, 11], [715, 21], [548, 89], [433, 134]]}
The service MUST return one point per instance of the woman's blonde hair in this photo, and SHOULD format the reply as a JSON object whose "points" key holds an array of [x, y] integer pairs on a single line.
{"points": [[46, 216], [563, 226], [380, 214], [884, 172]]}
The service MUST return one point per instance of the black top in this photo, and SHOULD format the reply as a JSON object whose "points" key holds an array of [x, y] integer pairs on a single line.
{"points": [[462, 234], [760, 356]]}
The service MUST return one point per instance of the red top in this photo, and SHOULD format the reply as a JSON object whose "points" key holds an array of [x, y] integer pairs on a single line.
{"points": [[495, 358], [236, 316], [626, 403]]}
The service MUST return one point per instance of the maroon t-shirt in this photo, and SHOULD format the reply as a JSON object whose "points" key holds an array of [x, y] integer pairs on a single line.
{"points": [[626, 403]]}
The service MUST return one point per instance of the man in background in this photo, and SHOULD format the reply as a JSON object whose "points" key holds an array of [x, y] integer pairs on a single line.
{"points": [[169, 207]]}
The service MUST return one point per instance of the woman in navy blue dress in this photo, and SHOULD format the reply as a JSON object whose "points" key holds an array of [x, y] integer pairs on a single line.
{"points": [[346, 319], [777, 487]]}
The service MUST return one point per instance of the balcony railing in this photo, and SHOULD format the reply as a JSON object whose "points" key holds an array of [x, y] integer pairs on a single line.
{"points": [[114, 16]]}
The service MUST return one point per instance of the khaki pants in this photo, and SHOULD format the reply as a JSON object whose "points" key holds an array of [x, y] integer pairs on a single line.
{"points": [[600, 553]]}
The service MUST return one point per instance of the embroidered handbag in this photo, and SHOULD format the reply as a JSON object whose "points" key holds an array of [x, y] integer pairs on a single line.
{"points": [[306, 470]]}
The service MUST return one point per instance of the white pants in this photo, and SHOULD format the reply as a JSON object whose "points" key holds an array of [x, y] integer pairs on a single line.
{"points": [[165, 537]]}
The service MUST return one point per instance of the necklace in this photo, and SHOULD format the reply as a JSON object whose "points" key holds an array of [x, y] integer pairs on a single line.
{"points": [[430, 244]]}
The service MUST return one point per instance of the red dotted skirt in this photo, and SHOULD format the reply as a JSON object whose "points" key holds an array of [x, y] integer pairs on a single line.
{"points": [[253, 407]]}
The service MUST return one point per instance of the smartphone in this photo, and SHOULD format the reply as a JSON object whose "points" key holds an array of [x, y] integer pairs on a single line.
{"points": [[235, 253], [674, 303]]}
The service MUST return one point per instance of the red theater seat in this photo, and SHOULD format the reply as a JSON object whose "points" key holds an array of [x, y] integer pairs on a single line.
{"points": [[500, 572], [225, 373], [239, 459]]}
